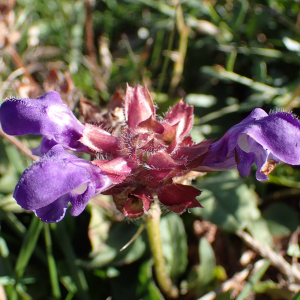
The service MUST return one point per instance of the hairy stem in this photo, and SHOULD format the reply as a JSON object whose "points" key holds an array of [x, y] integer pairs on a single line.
{"points": [[163, 278]]}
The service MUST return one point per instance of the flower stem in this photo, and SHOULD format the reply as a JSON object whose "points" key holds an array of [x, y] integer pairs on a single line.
{"points": [[163, 278]]}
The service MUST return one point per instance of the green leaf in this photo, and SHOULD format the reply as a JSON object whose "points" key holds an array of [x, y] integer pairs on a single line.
{"points": [[201, 100], [70, 256], [8, 181], [147, 289], [99, 226], [260, 231], [51, 263], [281, 219], [206, 270], [174, 243], [264, 286], [8, 203], [296, 297], [119, 235], [227, 201], [240, 14], [28, 246], [202, 275], [15, 158], [293, 250]]}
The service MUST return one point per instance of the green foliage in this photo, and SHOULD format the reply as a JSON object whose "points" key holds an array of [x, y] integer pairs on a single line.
{"points": [[174, 241], [228, 202], [254, 279], [239, 55]]}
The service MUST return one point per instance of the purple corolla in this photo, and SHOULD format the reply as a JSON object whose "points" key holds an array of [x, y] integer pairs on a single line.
{"points": [[58, 178], [261, 139], [45, 115]]}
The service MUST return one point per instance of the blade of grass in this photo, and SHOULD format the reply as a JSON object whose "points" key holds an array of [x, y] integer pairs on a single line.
{"points": [[51, 264], [230, 61], [240, 15], [28, 246], [284, 181], [217, 114], [69, 296], [221, 73], [131, 55], [76, 272], [297, 296], [12, 221], [262, 267], [19, 229], [166, 60], [273, 53], [6, 269], [183, 31], [15, 158], [157, 48], [5, 263]]}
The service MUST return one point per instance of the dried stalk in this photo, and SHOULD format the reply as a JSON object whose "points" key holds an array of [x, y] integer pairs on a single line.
{"points": [[19, 64], [229, 284], [183, 31], [21, 147], [275, 259], [91, 50], [293, 102]]}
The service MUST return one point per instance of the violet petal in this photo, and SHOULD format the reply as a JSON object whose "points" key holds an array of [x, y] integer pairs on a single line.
{"points": [[45, 115], [260, 138], [56, 179]]}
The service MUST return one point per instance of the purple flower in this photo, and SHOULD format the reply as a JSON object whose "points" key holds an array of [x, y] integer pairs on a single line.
{"points": [[47, 116], [56, 179], [261, 139], [146, 157]]}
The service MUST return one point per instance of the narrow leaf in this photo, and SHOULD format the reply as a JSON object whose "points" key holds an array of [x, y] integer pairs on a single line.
{"points": [[28, 246]]}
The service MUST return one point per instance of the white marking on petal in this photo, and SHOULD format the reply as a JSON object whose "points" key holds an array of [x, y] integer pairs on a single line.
{"points": [[243, 142], [80, 189]]}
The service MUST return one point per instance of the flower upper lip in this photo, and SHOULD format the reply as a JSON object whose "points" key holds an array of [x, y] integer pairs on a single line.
{"points": [[47, 116]]}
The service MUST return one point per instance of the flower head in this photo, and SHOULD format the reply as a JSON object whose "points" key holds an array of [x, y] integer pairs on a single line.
{"points": [[56, 179], [144, 158], [147, 154], [261, 139]]}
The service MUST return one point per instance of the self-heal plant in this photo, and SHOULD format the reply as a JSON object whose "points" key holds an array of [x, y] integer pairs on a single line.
{"points": [[144, 159]]}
